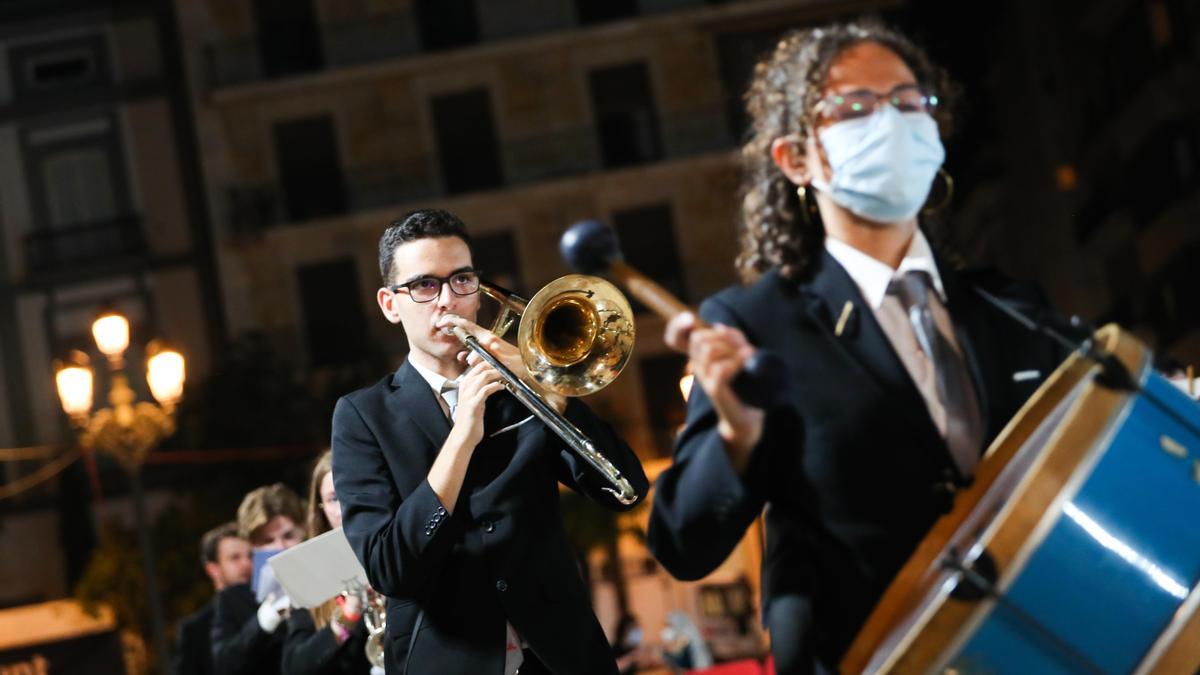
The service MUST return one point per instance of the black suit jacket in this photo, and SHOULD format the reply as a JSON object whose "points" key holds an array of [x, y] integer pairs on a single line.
{"points": [[193, 649], [308, 651], [239, 645], [502, 554], [852, 469]]}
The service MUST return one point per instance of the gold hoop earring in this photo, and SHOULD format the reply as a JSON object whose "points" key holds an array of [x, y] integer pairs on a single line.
{"points": [[948, 195], [808, 210]]}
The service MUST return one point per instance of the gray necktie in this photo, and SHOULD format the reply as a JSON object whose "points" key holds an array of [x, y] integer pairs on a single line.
{"points": [[449, 394], [954, 388]]}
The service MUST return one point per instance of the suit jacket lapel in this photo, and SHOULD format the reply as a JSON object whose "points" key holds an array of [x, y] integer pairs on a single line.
{"points": [[975, 338], [412, 398], [862, 337]]}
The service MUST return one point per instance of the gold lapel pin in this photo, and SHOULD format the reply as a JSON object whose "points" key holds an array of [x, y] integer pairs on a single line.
{"points": [[847, 310]]}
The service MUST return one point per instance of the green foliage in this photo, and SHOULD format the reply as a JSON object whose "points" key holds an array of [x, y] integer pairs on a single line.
{"points": [[114, 577]]}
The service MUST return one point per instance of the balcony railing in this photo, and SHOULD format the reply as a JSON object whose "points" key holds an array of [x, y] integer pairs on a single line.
{"points": [[546, 156], [397, 33], [62, 247]]}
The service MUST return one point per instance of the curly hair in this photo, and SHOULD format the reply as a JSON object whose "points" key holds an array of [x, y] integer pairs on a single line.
{"points": [[786, 86]]}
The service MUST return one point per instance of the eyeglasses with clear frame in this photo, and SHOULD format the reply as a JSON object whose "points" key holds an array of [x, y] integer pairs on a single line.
{"points": [[428, 288], [863, 102]]}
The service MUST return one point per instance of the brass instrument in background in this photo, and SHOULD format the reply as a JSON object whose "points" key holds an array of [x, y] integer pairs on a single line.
{"points": [[575, 336], [375, 617]]}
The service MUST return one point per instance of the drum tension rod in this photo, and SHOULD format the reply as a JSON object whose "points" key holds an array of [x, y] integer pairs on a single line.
{"points": [[980, 582]]}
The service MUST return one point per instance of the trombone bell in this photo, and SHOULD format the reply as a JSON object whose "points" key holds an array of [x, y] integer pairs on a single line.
{"points": [[576, 335], [568, 328]]}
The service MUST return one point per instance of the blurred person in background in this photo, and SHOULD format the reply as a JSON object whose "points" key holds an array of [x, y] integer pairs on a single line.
{"points": [[227, 561], [329, 639], [247, 636]]}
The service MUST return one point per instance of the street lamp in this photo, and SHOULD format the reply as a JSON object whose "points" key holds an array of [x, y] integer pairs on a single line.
{"points": [[128, 429]]}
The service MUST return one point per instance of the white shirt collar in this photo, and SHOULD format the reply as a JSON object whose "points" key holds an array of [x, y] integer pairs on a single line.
{"points": [[873, 277], [435, 381]]}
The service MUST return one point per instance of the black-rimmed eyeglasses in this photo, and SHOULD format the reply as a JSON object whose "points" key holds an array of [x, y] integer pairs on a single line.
{"points": [[428, 288]]}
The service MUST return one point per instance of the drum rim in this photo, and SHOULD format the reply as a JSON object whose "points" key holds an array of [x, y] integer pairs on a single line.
{"points": [[915, 582]]}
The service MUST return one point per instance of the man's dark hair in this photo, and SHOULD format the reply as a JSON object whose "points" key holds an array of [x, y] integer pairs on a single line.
{"points": [[210, 543], [414, 225]]}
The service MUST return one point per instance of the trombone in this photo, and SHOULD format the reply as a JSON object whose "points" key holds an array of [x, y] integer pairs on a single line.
{"points": [[575, 335]]}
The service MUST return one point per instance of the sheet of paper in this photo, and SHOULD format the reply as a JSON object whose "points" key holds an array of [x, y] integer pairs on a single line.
{"points": [[318, 569]]}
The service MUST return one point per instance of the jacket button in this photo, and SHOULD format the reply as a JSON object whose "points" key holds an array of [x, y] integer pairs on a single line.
{"points": [[489, 526], [502, 585]]}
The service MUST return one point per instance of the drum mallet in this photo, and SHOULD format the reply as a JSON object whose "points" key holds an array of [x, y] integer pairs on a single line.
{"points": [[591, 247]]}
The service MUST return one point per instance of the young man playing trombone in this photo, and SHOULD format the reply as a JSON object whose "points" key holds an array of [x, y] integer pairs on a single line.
{"points": [[449, 499]]}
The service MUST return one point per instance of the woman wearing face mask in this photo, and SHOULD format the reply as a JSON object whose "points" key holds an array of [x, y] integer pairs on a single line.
{"points": [[900, 374], [330, 638]]}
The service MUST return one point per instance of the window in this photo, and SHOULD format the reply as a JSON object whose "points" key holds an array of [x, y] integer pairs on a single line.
{"points": [[289, 41], [666, 409], [626, 121], [52, 66], [466, 141], [76, 173], [332, 308], [446, 24], [647, 237], [737, 54], [599, 11], [496, 255], [1129, 55], [1165, 169], [309, 169], [79, 186], [1172, 305]]}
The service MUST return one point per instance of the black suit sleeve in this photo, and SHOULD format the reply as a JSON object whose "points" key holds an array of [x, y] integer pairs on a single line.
{"points": [[187, 659], [306, 650], [238, 642], [400, 542], [575, 472], [702, 506]]}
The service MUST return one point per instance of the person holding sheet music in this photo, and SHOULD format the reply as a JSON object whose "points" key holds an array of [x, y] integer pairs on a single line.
{"points": [[329, 639], [247, 635], [900, 372]]}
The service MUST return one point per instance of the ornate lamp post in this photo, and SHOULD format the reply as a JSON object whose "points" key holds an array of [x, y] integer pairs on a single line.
{"points": [[128, 429]]}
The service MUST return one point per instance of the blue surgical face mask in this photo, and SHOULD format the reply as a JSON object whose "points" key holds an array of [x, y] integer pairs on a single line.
{"points": [[883, 164]]}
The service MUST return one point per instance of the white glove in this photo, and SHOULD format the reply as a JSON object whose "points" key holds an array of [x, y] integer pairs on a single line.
{"points": [[270, 612]]}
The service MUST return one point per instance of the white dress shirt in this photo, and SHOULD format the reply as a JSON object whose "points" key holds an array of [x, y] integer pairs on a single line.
{"points": [[873, 278]]}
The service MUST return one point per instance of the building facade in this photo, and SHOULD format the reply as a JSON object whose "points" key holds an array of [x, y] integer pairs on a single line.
{"points": [[100, 206]]}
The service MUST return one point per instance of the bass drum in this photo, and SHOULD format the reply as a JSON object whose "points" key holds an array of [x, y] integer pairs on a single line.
{"points": [[1077, 548]]}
